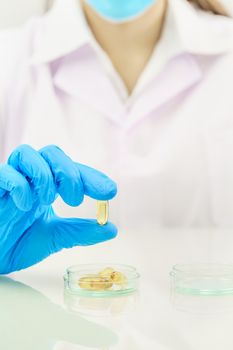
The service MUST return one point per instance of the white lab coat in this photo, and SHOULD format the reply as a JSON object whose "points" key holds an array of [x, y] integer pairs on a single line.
{"points": [[169, 146]]}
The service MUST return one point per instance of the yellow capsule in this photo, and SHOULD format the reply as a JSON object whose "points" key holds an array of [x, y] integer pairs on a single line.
{"points": [[107, 272], [94, 283], [118, 278], [84, 282], [102, 212]]}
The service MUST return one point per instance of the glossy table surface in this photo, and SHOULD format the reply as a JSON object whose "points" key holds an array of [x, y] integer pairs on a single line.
{"points": [[35, 312]]}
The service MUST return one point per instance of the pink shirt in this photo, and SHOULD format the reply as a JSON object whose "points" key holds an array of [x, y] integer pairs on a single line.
{"points": [[169, 145]]}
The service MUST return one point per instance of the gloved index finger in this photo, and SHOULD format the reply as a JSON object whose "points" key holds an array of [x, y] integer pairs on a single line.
{"points": [[96, 184], [29, 162], [14, 183], [66, 175]]}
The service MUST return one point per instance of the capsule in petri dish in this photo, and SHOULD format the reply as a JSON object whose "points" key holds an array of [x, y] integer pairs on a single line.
{"points": [[107, 272], [115, 277], [102, 212], [94, 283]]}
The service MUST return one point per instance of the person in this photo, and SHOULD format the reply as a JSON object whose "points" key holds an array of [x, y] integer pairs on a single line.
{"points": [[141, 90]]}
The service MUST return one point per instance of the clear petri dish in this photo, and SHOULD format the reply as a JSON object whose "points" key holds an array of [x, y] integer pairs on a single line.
{"points": [[73, 280], [203, 279]]}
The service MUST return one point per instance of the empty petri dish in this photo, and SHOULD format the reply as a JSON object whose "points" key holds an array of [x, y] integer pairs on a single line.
{"points": [[101, 280], [203, 279]]}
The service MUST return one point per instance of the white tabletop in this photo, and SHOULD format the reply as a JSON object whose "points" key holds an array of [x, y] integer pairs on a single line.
{"points": [[37, 314]]}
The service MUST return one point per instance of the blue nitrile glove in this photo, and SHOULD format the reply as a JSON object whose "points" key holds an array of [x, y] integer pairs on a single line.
{"points": [[30, 182]]}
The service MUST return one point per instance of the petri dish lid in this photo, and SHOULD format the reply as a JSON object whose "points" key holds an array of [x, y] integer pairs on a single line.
{"points": [[96, 287], [203, 279]]}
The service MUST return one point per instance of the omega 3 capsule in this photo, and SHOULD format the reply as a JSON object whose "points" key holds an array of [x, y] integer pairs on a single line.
{"points": [[102, 212]]}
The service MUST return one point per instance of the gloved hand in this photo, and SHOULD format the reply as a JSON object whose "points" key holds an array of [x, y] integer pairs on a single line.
{"points": [[30, 182]]}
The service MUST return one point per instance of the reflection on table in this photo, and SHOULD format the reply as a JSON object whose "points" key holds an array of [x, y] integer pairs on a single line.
{"points": [[28, 320]]}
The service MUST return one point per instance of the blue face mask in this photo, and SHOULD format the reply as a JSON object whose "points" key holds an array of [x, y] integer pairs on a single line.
{"points": [[120, 10]]}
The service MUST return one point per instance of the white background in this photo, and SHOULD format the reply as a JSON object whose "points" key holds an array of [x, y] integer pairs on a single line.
{"points": [[16, 12]]}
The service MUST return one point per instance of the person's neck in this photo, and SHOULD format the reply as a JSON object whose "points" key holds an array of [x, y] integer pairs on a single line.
{"points": [[130, 44]]}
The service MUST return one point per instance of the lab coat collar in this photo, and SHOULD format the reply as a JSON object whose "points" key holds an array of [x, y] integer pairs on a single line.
{"points": [[61, 31], [64, 29]]}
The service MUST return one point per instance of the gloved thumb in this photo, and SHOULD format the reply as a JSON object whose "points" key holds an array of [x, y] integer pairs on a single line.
{"points": [[67, 233], [43, 239]]}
